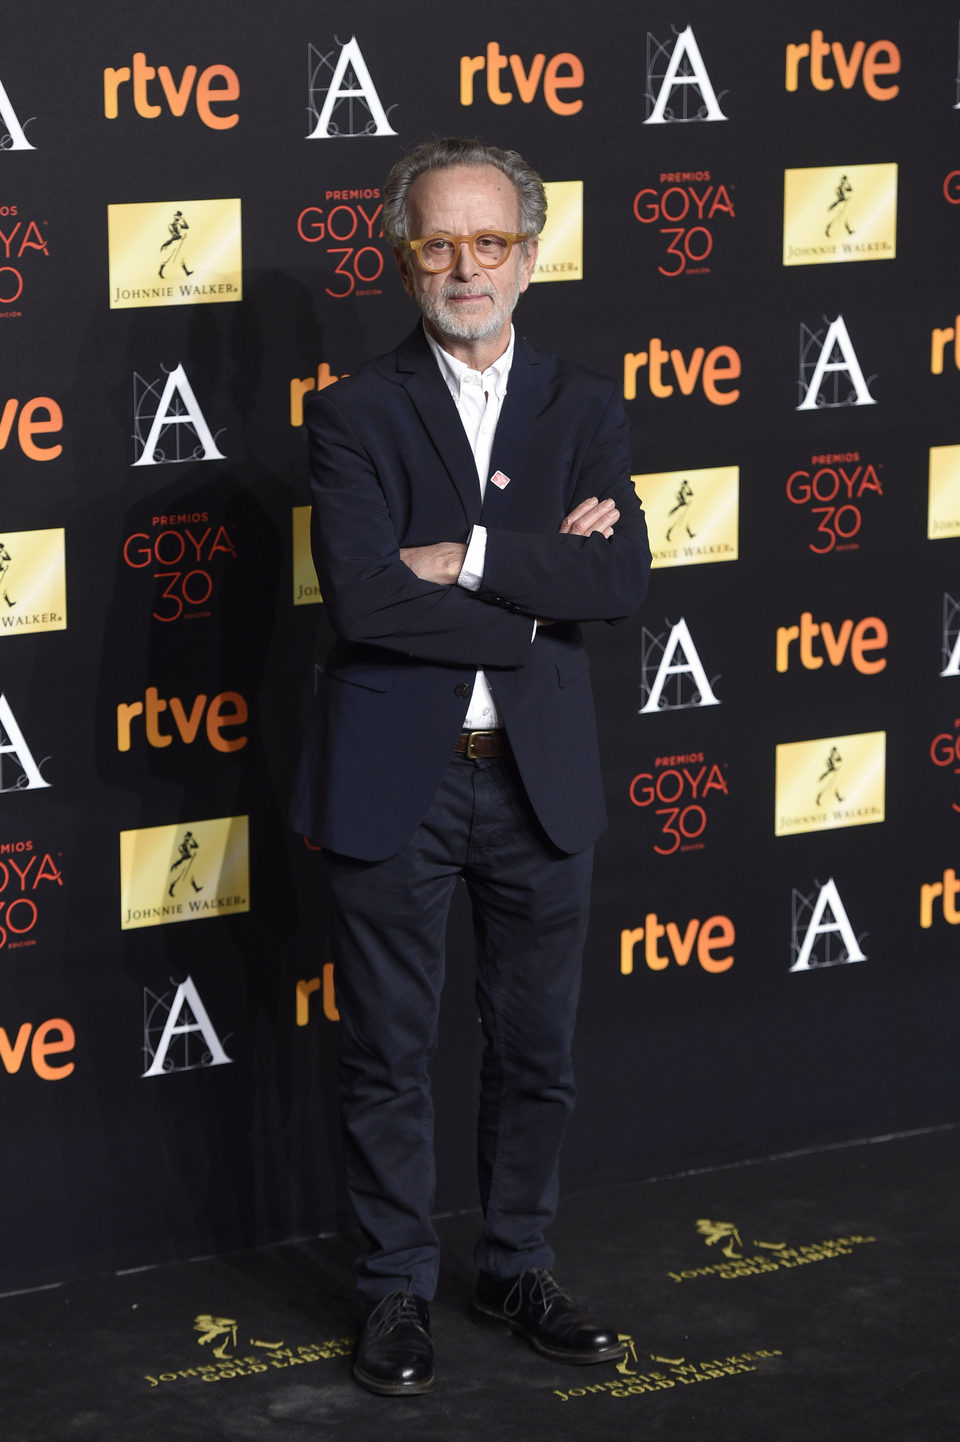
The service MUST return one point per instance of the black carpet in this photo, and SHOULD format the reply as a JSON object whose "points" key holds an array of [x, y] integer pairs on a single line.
{"points": [[810, 1297]]}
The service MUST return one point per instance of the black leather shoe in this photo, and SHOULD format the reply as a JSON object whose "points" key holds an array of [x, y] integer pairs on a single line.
{"points": [[395, 1351], [537, 1308]]}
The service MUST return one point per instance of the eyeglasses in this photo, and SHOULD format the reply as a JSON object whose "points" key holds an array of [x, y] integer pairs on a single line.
{"points": [[489, 248]]}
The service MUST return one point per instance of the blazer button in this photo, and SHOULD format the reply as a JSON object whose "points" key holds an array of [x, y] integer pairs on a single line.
{"points": [[462, 691]]}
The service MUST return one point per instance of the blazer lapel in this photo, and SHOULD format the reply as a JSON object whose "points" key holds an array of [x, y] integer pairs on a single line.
{"points": [[438, 412], [525, 399]]}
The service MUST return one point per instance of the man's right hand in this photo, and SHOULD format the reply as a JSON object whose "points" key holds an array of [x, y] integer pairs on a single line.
{"points": [[591, 515]]}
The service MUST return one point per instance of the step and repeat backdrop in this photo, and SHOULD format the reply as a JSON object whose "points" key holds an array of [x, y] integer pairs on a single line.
{"points": [[755, 226]]}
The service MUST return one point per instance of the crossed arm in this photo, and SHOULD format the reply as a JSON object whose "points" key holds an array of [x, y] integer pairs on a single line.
{"points": [[442, 562]]}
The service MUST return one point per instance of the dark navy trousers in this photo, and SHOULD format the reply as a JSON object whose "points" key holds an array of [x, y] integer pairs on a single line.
{"points": [[530, 904]]}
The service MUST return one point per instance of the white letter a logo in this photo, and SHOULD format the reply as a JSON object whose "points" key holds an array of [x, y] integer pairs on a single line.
{"points": [[14, 139], [363, 92]]}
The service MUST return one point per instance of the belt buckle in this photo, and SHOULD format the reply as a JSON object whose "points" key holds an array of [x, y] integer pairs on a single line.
{"points": [[470, 753]]}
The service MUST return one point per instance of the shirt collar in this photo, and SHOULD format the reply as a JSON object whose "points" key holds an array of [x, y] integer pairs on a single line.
{"points": [[458, 375]]}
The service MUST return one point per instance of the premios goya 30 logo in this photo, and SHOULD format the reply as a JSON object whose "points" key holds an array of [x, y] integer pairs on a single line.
{"points": [[831, 782], [175, 253], [943, 506], [837, 213], [186, 872], [685, 206], [560, 252], [692, 516], [33, 587]]}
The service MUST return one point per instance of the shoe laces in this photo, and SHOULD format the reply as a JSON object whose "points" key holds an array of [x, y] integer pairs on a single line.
{"points": [[394, 1308], [543, 1291]]}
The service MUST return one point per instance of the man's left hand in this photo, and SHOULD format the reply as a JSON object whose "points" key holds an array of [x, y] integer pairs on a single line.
{"points": [[441, 563]]}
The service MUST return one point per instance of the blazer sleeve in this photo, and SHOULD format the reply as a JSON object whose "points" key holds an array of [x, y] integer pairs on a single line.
{"points": [[578, 578], [370, 595]]}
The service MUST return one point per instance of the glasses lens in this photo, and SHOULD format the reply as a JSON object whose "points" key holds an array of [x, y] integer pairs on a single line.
{"points": [[438, 253], [490, 249]]}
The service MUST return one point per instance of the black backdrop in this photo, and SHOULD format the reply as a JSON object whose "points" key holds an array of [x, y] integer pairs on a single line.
{"points": [[749, 1024]]}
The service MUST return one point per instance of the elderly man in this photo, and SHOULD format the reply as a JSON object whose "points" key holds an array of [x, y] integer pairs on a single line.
{"points": [[472, 505]]}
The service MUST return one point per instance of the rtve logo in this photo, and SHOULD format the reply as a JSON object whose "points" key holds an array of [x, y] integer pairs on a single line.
{"points": [[226, 710], [948, 892], [863, 62], [39, 416], [711, 369], [706, 938], [939, 340], [870, 634], [300, 388], [216, 85], [49, 1038], [560, 73]]}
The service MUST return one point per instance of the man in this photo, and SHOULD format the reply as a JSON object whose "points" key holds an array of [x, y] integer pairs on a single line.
{"points": [[472, 505]]}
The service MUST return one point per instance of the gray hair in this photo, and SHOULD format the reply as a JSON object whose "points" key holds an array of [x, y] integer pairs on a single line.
{"points": [[444, 155]]}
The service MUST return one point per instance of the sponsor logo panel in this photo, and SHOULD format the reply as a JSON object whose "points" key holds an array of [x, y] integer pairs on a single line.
{"points": [[33, 585], [306, 587], [839, 213], [560, 253], [943, 504], [185, 872], [693, 516], [831, 782], [176, 252]]}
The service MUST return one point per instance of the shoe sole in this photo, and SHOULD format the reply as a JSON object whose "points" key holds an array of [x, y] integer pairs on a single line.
{"points": [[393, 1389], [492, 1318]]}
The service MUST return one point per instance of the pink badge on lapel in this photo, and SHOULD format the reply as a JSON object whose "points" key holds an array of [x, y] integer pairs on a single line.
{"points": [[499, 479]]}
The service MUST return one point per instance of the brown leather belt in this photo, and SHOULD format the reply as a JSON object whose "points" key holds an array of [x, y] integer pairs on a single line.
{"points": [[479, 745]]}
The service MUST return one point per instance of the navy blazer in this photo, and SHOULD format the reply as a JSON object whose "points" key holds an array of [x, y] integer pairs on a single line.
{"points": [[391, 466]]}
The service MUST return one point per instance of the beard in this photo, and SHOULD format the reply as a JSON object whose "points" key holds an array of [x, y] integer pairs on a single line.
{"points": [[447, 320]]}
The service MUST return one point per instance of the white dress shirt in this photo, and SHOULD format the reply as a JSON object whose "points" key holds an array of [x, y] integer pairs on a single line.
{"points": [[478, 396]]}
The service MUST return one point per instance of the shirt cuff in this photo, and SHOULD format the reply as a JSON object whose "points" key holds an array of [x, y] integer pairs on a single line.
{"points": [[471, 572]]}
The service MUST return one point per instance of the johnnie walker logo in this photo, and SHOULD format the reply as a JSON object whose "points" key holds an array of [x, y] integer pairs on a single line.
{"points": [[33, 590], [184, 873], [828, 783], [839, 213], [174, 253], [693, 515]]}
